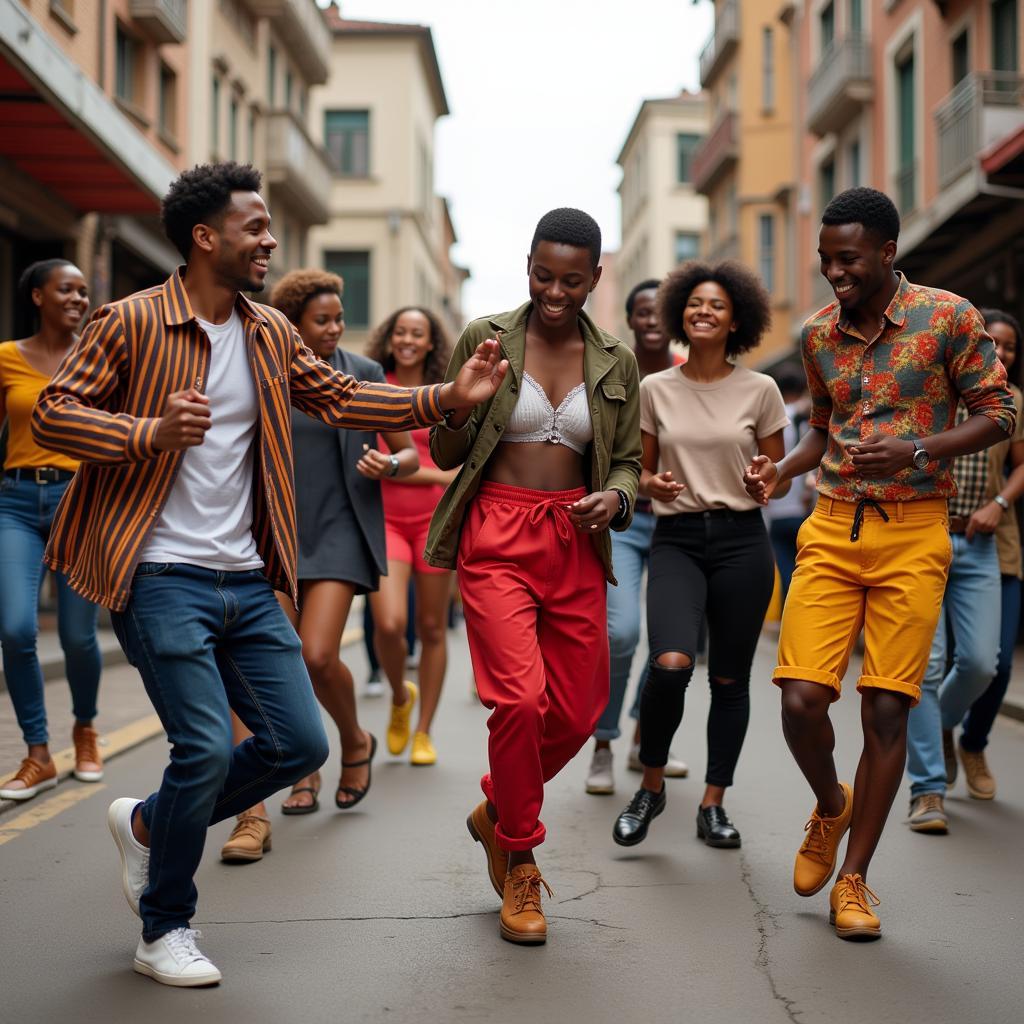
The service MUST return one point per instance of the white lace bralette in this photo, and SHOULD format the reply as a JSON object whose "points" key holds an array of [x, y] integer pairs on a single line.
{"points": [[534, 418]]}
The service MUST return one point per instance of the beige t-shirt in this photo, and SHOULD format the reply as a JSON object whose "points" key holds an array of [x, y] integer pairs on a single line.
{"points": [[707, 433]]}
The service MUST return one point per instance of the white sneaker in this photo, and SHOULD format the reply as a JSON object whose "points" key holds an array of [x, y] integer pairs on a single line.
{"points": [[134, 856], [674, 767], [374, 686], [174, 959], [600, 779]]}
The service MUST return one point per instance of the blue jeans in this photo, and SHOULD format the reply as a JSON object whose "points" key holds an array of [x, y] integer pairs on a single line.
{"points": [[783, 537], [972, 609], [982, 715], [630, 552], [26, 515], [206, 643]]}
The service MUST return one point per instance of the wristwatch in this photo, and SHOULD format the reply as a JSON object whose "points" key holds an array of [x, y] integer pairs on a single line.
{"points": [[920, 458], [1002, 502], [393, 470], [620, 516]]}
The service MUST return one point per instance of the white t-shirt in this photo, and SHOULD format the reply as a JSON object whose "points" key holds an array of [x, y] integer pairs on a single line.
{"points": [[207, 520]]}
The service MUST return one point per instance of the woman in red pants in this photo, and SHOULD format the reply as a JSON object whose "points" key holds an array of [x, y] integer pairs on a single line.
{"points": [[548, 465]]}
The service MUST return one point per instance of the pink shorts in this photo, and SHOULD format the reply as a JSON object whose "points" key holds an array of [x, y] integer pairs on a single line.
{"points": [[406, 541]]}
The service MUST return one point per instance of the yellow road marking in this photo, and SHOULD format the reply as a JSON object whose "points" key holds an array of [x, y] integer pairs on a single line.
{"points": [[46, 810], [116, 742]]}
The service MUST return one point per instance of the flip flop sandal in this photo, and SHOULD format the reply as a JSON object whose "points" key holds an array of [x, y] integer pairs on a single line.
{"points": [[353, 791], [307, 808]]}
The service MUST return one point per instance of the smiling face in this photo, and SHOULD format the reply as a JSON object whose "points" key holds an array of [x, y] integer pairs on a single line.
{"points": [[1005, 338], [411, 340], [708, 317], [855, 263], [561, 277], [63, 298], [239, 244], [322, 323], [644, 323]]}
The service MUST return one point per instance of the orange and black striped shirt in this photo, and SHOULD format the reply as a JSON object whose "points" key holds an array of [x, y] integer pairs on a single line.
{"points": [[104, 403]]}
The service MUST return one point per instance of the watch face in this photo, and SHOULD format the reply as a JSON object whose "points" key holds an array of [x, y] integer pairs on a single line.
{"points": [[921, 459]]}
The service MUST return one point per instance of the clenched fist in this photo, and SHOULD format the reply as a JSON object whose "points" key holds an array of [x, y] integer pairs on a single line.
{"points": [[184, 421]]}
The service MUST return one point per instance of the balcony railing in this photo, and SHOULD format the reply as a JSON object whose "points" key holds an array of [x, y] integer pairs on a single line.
{"points": [[297, 168], [841, 85], [716, 155], [983, 108], [164, 21], [723, 41], [302, 27]]}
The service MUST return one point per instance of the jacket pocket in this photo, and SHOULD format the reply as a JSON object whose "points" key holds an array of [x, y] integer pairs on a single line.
{"points": [[614, 392]]}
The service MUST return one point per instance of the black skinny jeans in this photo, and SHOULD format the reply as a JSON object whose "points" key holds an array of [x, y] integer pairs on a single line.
{"points": [[717, 564]]}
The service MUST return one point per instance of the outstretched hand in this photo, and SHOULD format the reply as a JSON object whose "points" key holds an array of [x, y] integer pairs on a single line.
{"points": [[478, 379], [761, 478], [661, 487]]}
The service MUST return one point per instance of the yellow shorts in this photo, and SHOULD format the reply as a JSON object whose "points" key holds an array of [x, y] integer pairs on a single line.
{"points": [[890, 581]]}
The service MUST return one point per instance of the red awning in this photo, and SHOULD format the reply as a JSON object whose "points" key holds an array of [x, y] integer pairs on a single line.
{"points": [[44, 144], [1001, 153]]}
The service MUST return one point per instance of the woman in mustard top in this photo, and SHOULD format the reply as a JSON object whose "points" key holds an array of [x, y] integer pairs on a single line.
{"points": [[32, 484]]}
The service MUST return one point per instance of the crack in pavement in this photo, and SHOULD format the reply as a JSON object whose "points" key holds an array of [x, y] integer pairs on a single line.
{"points": [[765, 918], [599, 884]]}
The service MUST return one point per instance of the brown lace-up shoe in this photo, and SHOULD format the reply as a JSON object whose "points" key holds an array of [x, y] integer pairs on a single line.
{"points": [[850, 905], [981, 783], [927, 814], [522, 919], [816, 858], [88, 762], [249, 840], [481, 828], [34, 777]]}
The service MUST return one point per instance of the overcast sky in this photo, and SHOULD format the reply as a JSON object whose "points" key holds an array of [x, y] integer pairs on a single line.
{"points": [[542, 94]]}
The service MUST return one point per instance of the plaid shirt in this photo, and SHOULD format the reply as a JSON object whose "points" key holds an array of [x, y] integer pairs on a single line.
{"points": [[931, 353], [971, 475]]}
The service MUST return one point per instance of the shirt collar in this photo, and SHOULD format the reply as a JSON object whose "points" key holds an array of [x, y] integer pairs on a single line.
{"points": [[895, 312], [178, 309]]}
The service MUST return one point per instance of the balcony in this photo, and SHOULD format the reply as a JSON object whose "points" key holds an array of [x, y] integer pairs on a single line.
{"points": [[723, 42], [982, 109], [301, 26], [164, 21], [717, 155], [296, 168], [841, 84]]}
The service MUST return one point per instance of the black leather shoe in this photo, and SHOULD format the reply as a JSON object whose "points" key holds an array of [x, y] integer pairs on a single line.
{"points": [[715, 828], [632, 824]]}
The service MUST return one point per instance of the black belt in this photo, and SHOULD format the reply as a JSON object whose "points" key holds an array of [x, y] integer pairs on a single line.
{"points": [[40, 474]]}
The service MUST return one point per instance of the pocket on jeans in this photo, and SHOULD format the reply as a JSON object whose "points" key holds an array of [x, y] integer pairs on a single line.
{"points": [[146, 569]]}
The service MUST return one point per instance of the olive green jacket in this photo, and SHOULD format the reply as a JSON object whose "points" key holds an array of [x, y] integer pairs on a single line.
{"points": [[613, 390]]}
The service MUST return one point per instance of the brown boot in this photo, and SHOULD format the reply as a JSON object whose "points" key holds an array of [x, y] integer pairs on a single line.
{"points": [[88, 762], [481, 828], [522, 919], [249, 840]]}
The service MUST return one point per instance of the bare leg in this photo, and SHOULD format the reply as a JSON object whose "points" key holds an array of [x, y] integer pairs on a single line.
{"points": [[390, 613], [433, 591], [811, 739]]}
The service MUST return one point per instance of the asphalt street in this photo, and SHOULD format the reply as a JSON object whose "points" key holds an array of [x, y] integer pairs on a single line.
{"points": [[385, 913]]}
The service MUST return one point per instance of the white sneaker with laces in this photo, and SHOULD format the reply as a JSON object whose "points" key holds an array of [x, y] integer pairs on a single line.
{"points": [[174, 959], [134, 856], [674, 767], [600, 779]]}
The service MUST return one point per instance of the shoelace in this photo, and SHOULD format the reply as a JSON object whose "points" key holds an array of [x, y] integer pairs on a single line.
{"points": [[29, 773], [526, 892], [818, 830], [248, 825], [181, 943], [929, 802], [858, 515], [974, 762], [642, 803], [717, 816], [87, 747], [855, 893]]}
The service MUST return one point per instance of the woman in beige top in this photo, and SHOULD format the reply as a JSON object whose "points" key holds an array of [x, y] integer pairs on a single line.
{"points": [[701, 424]]}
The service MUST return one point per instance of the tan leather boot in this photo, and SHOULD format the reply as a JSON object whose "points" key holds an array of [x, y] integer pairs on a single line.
{"points": [[481, 828], [249, 840], [522, 919]]}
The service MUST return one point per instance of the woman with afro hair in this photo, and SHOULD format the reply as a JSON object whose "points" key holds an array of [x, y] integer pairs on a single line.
{"points": [[701, 424]]}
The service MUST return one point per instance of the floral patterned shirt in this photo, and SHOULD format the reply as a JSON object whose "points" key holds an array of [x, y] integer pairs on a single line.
{"points": [[932, 351]]}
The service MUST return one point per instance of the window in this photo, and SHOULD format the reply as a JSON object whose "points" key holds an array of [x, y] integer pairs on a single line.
{"points": [[271, 77], [826, 182], [961, 57], [215, 117], [768, 70], [853, 164], [168, 103], [126, 60], [905, 176], [687, 145], [347, 138], [856, 17], [354, 269], [827, 26], [766, 250], [687, 246], [1004, 35], [233, 128]]}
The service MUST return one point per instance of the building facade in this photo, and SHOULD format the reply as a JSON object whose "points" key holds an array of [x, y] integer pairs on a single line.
{"points": [[388, 234], [663, 217]]}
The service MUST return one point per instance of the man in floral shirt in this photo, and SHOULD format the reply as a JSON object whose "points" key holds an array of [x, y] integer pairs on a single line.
{"points": [[887, 364]]}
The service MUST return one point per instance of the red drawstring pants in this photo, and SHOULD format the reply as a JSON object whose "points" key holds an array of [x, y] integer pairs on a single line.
{"points": [[534, 596]]}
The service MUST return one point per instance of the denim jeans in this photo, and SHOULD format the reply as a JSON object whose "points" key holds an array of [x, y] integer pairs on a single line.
{"points": [[971, 607], [26, 515], [982, 715], [205, 643], [783, 536], [630, 552]]}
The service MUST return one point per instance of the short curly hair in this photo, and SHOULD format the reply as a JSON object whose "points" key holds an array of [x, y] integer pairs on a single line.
{"points": [[292, 293], [569, 226], [650, 285], [868, 207], [200, 196], [437, 359], [751, 305]]}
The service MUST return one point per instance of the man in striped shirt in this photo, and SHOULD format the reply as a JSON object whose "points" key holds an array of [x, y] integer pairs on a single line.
{"points": [[181, 520]]}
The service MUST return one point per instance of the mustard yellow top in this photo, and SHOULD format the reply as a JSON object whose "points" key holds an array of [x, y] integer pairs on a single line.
{"points": [[20, 385]]}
